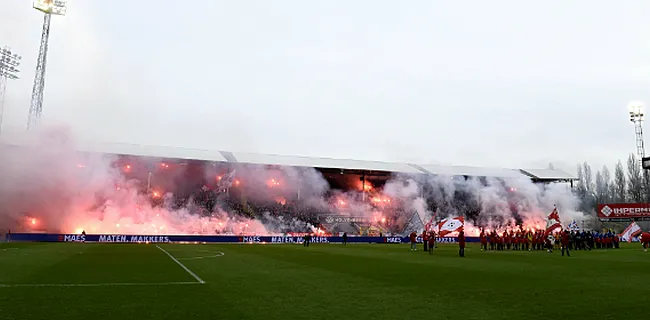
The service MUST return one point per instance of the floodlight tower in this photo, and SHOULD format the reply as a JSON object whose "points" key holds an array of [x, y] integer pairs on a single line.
{"points": [[9, 62], [49, 8], [637, 116]]}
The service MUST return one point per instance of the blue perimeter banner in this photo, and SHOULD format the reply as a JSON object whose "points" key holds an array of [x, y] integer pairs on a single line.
{"points": [[114, 238]]}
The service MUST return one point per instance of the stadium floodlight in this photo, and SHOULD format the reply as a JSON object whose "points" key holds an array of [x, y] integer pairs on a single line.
{"points": [[49, 8], [9, 63], [636, 110], [637, 115], [55, 7]]}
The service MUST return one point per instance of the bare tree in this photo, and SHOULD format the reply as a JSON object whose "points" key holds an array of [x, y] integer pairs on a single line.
{"points": [[620, 184], [635, 180], [602, 191], [581, 189], [589, 197], [607, 184], [589, 179], [585, 188], [646, 185]]}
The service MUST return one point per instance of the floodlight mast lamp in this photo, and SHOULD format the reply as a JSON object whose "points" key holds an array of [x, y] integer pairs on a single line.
{"points": [[637, 115], [49, 8], [9, 62]]}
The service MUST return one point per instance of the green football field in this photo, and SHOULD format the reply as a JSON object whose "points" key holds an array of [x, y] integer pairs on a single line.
{"points": [[324, 281]]}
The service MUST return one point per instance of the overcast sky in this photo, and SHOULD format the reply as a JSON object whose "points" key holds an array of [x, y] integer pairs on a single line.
{"points": [[487, 83]]}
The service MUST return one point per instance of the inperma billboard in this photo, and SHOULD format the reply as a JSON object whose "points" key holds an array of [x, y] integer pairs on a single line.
{"points": [[624, 211]]}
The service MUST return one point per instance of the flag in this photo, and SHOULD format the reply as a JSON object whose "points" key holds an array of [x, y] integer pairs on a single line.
{"points": [[450, 225], [573, 226], [414, 223], [429, 224], [633, 230], [553, 221], [227, 180]]}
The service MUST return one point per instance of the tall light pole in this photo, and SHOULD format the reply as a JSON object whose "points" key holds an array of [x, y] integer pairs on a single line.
{"points": [[49, 8], [9, 62], [637, 115]]}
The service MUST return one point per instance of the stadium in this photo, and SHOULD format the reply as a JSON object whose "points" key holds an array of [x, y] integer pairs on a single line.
{"points": [[93, 230], [258, 265], [119, 230]]}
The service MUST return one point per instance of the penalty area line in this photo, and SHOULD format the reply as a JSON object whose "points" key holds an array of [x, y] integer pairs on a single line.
{"points": [[118, 284], [216, 255], [182, 265]]}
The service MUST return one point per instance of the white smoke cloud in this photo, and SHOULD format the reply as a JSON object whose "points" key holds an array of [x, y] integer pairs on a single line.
{"points": [[65, 191], [47, 185], [499, 203]]}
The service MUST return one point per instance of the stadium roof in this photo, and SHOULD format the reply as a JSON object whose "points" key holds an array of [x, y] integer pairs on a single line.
{"points": [[129, 149], [472, 171], [297, 161], [548, 174], [166, 152], [154, 151]]}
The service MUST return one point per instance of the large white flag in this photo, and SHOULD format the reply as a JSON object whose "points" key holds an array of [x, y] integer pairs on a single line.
{"points": [[450, 225], [633, 230]]}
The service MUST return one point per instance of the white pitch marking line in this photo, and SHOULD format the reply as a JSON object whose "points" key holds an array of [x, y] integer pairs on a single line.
{"points": [[123, 284], [217, 254], [182, 265]]}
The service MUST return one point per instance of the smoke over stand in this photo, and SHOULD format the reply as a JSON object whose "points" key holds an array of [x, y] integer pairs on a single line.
{"points": [[49, 186]]}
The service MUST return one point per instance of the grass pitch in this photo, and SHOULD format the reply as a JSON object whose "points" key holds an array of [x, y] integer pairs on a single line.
{"points": [[138, 281]]}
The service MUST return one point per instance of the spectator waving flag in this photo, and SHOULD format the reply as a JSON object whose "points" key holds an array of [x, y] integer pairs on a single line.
{"points": [[450, 225], [553, 221]]}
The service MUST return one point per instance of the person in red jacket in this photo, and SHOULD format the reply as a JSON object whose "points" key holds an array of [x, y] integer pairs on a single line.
{"points": [[493, 240], [645, 240], [432, 241], [461, 243], [483, 241], [565, 242], [425, 239], [413, 237]]}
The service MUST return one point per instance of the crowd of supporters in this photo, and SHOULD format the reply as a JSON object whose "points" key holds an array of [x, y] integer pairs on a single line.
{"points": [[587, 240], [539, 240], [207, 201]]}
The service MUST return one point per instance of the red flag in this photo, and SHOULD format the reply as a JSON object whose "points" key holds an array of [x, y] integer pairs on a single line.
{"points": [[427, 226], [553, 221], [450, 225], [633, 230]]}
